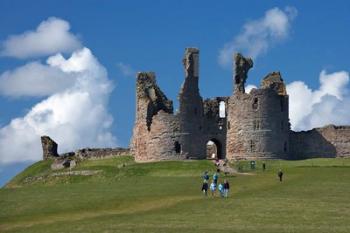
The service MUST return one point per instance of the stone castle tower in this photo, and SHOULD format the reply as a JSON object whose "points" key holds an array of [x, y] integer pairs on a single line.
{"points": [[244, 125], [258, 122]]}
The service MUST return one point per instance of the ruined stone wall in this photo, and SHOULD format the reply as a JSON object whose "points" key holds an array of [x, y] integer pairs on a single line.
{"points": [[254, 125], [69, 159], [258, 126], [100, 153], [159, 134], [156, 133], [327, 142], [164, 140], [215, 127]]}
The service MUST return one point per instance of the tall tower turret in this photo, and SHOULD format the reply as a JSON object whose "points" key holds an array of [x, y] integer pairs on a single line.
{"points": [[258, 123], [191, 103], [191, 106]]}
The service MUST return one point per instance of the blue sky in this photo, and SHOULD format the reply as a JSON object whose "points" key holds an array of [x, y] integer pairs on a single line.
{"points": [[152, 36]]}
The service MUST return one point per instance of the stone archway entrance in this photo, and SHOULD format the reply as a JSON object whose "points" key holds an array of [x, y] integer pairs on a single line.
{"points": [[214, 149]]}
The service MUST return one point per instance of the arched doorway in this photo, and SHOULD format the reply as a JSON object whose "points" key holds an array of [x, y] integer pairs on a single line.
{"points": [[214, 149]]}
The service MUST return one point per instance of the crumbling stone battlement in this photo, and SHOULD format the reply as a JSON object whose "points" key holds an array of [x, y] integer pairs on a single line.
{"points": [[242, 66], [274, 81], [147, 88], [150, 98]]}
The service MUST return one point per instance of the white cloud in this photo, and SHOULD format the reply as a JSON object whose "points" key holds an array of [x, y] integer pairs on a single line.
{"points": [[249, 87], [74, 117], [126, 69], [258, 35], [329, 104], [51, 36], [34, 79]]}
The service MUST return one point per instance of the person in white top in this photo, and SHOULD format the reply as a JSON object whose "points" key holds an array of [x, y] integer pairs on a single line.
{"points": [[213, 188]]}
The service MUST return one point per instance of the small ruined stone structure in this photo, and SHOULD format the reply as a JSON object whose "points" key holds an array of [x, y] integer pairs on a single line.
{"points": [[68, 160], [244, 125], [49, 147], [50, 151]]}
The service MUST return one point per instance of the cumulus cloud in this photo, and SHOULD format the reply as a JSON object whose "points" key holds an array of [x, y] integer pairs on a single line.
{"points": [[51, 36], [126, 69], [329, 104], [259, 35], [34, 79], [75, 116]]}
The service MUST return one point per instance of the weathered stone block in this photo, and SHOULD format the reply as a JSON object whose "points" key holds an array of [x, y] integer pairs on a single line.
{"points": [[49, 147]]}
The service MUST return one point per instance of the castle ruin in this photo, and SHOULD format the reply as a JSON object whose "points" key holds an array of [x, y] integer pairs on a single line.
{"points": [[244, 125]]}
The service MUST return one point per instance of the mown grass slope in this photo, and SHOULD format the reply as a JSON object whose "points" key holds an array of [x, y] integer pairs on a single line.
{"points": [[124, 196]]}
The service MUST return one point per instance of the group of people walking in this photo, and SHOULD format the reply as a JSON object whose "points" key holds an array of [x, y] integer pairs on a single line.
{"points": [[223, 188]]}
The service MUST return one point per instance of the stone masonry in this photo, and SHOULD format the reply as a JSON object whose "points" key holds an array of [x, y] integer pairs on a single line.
{"points": [[182, 135], [49, 147], [244, 125], [327, 142], [50, 152], [258, 122]]}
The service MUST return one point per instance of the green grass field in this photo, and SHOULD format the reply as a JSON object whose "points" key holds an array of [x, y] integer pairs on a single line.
{"points": [[165, 197]]}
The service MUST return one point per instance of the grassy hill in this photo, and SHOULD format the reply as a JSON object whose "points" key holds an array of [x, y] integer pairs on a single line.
{"points": [[119, 195]]}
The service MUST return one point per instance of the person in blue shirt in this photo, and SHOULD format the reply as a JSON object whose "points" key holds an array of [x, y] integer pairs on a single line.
{"points": [[205, 183], [215, 178], [221, 189], [206, 176]]}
